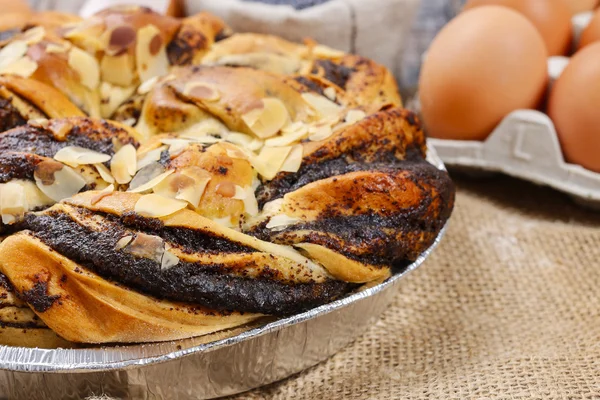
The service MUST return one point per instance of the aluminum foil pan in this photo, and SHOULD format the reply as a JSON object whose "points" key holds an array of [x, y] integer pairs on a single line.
{"points": [[200, 368]]}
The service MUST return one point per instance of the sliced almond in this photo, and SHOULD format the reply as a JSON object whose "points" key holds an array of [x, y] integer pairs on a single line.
{"points": [[129, 122], [176, 146], [288, 138], [112, 96], [202, 91], [330, 93], [148, 85], [13, 202], [319, 133], [267, 121], [87, 34], [150, 54], [107, 191], [104, 173], [245, 141], [247, 196], [327, 52], [146, 246], [146, 174], [12, 52], [281, 221], [353, 116], [56, 180], [273, 207], [292, 127], [193, 193], [240, 193], [169, 260], [152, 182], [118, 70], [123, 242], [34, 196], [75, 155], [321, 104], [123, 164], [57, 48], [155, 206], [150, 157], [294, 159], [24, 67], [268, 163], [86, 67], [330, 120], [34, 35]]}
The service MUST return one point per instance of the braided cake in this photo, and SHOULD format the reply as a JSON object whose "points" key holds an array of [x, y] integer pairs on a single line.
{"points": [[164, 178]]}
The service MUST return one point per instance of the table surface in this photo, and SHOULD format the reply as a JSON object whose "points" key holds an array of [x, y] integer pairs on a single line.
{"points": [[506, 308]]}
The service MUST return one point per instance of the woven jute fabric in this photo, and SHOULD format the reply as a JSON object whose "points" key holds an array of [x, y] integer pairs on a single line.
{"points": [[506, 308]]}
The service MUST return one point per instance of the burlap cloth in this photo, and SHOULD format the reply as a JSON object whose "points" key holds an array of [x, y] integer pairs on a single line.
{"points": [[506, 308]]}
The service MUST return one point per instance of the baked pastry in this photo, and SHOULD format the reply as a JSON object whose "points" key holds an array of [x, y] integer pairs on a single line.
{"points": [[236, 176]]}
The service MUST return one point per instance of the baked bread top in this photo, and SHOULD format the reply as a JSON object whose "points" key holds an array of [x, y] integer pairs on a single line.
{"points": [[233, 176]]}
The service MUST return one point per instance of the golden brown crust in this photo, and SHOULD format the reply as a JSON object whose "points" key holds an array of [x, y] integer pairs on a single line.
{"points": [[44, 97], [82, 307], [271, 176]]}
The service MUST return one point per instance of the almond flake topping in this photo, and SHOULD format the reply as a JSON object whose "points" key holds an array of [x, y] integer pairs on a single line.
{"points": [[268, 163], [319, 133], [156, 206], [56, 180], [34, 35], [12, 52], [23, 67], [150, 157], [169, 260], [86, 67], [330, 93], [267, 121], [123, 242], [104, 173], [294, 159], [124, 164], [152, 182], [150, 54], [13, 202], [281, 221], [146, 246], [322, 104], [75, 155]]}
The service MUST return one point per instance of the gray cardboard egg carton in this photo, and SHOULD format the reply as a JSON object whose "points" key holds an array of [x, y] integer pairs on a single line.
{"points": [[525, 145]]}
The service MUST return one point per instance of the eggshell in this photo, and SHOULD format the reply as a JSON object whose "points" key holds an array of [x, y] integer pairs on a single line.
{"points": [[579, 6], [591, 33], [551, 17], [486, 63], [573, 106]]}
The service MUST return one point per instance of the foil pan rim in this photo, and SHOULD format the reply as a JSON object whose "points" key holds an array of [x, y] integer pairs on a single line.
{"points": [[36, 360]]}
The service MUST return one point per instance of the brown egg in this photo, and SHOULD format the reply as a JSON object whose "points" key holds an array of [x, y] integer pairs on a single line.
{"points": [[578, 6], [551, 17], [591, 33], [484, 64], [573, 106]]}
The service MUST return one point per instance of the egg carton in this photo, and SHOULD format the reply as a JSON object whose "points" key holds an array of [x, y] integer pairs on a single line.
{"points": [[525, 145]]}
